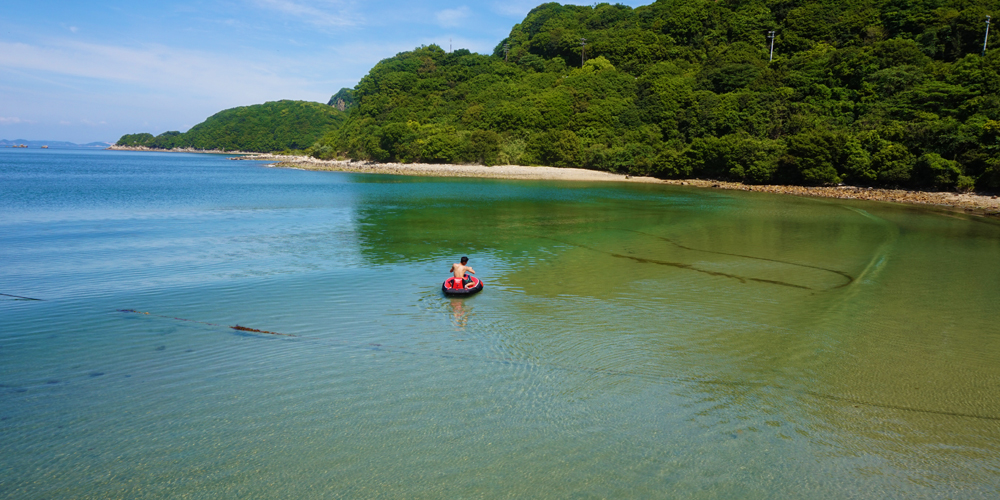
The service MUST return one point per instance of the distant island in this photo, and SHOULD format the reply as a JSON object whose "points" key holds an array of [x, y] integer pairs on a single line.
{"points": [[51, 144], [814, 93]]}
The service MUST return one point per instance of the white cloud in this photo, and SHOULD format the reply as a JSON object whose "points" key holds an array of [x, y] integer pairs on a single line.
{"points": [[326, 13], [155, 67], [10, 121], [451, 18]]}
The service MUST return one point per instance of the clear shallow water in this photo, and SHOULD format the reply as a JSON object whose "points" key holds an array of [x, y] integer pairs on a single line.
{"points": [[632, 341]]}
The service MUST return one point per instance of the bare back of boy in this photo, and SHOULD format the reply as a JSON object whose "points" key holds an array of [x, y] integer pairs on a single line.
{"points": [[460, 270]]}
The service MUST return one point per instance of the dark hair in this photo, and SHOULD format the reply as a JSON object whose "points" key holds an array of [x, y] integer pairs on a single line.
{"points": [[465, 259]]}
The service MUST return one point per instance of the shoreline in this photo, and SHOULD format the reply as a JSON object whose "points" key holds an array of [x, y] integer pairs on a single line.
{"points": [[145, 149], [970, 203]]}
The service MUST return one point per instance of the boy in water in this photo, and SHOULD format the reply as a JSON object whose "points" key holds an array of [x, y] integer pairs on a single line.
{"points": [[460, 269]]}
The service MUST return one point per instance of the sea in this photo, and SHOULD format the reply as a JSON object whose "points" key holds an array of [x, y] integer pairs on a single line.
{"points": [[187, 326]]}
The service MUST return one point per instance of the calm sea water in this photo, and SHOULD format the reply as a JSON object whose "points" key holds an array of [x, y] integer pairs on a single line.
{"points": [[631, 341]]}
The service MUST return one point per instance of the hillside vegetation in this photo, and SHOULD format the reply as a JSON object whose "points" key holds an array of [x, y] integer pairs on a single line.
{"points": [[268, 127], [866, 92]]}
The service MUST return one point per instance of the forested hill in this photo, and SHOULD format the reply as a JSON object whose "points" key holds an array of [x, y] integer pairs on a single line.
{"points": [[866, 92], [268, 127]]}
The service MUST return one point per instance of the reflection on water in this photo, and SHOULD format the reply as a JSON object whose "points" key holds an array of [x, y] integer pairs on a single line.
{"points": [[634, 341], [460, 312]]}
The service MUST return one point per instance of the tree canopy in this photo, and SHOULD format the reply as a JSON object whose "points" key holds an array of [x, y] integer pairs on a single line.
{"points": [[268, 127], [867, 92]]}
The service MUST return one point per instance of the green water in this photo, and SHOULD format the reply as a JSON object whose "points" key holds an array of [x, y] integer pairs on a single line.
{"points": [[632, 341]]}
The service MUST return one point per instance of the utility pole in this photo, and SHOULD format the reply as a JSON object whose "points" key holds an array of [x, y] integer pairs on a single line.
{"points": [[583, 51], [770, 34], [506, 51], [987, 39]]}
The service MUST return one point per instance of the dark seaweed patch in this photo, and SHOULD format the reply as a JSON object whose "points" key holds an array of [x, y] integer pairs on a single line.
{"points": [[161, 348], [254, 330], [237, 327], [96, 374]]}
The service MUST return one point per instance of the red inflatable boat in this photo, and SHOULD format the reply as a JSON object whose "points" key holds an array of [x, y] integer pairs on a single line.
{"points": [[453, 286]]}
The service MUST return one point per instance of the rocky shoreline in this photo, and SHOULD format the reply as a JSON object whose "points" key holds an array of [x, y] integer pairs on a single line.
{"points": [[971, 203]]}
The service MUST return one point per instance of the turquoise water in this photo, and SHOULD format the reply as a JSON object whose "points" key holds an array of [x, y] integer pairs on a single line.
{"points": [[632, 341]]}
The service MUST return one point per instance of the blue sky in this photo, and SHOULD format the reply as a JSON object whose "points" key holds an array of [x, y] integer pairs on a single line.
{"points": [[93, 71]]}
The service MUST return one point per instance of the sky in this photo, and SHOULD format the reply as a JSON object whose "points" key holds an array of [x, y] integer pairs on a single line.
{"points": [[92, 71]]}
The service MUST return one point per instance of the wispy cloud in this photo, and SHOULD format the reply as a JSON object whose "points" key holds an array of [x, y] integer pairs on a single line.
{"points": [[153, 67], [450, 18], [10, 120], [323, 13]]}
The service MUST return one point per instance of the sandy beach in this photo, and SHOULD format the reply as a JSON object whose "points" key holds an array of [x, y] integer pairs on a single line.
{"points": [[977, 204]]}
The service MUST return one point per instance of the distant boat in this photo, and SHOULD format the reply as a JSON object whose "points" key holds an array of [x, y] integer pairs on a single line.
{"points": [[45, 147]]}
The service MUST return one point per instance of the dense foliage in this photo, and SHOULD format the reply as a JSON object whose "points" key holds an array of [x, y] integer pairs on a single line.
{"points": [[866, 92], [268, 127]]}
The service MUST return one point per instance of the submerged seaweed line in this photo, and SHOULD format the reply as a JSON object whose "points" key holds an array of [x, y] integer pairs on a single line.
{"points": [[237, 327], [896, 407], [850, 279], [578, 369], [681, 265], [18, 297]]}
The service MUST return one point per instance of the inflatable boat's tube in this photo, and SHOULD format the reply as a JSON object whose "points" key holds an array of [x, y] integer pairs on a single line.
{"points": [[453, 286]]}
